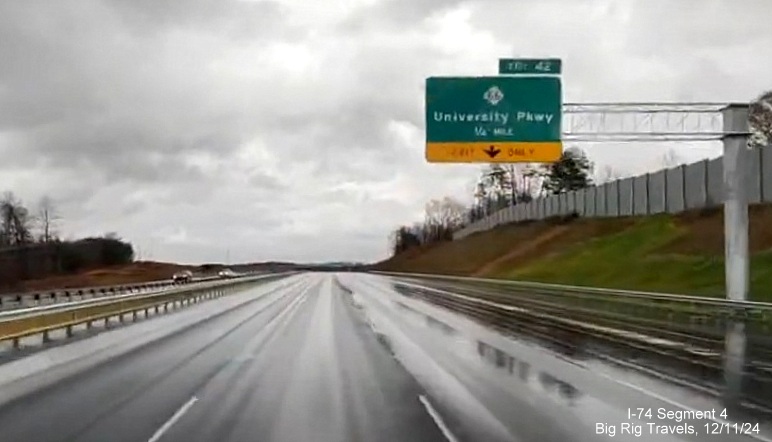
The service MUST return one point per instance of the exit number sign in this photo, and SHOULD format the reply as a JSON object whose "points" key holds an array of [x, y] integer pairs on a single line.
{"points": [[546, 66]]}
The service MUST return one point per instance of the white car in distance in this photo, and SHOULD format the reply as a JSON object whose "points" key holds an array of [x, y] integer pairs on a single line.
{"points": [[226, 273], [183, 276]]}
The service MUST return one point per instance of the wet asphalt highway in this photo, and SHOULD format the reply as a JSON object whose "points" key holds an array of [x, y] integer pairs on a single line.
{"points": [[332, 359]]}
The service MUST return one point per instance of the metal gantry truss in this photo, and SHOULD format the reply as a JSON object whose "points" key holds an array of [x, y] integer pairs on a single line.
{"points": [[635, 122]]}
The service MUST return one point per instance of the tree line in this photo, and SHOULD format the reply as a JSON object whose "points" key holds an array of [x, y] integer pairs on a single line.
{"points": [[30, 245], [497, 187]]}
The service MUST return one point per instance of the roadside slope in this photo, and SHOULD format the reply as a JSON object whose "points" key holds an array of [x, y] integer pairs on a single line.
{"points": [[681, 253]]}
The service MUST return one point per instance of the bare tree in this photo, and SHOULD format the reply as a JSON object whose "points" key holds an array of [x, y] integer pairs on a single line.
{"points": [[760, 120], [15, 221], [445, 214], [506, 184], [513, 182], [481, 198], [530, 183], [48, 215], [496, 179], [441, 219]]}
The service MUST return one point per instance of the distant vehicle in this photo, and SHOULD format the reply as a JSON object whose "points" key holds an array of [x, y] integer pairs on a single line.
{"points": [[226, 273], [183, 276]]}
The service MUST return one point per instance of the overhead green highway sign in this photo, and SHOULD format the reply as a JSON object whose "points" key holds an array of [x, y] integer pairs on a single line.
{"points": [[503, 119], [546, 66]]}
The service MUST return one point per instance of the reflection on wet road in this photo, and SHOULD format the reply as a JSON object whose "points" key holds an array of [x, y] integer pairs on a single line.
{"points": [[535, 392], [347, 358], [686, 352]]}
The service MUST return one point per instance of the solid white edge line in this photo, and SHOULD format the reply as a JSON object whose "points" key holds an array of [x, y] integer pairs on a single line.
{"points": [[437, 419], [165, 427]]}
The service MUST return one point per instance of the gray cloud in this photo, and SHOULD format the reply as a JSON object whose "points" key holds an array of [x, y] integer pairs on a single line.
{"points": [[394, 15], [294, 130], [98, 88], [234, 19]]}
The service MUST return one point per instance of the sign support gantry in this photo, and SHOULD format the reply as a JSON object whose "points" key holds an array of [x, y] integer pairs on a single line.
{"points": [[641, 122]]}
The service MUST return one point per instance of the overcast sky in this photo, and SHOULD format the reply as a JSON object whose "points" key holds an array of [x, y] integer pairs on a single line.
{"points": [[293, 130]]}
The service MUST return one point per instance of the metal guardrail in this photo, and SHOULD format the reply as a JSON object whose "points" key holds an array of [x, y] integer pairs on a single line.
{"points": [[15, 326], [86, 300], [581, 289], [45, 297], [25, 299], [726, 307], [667, 316]]}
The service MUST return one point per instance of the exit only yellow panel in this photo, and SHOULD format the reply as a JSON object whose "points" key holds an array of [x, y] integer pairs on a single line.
{"points": [[492, 152]]}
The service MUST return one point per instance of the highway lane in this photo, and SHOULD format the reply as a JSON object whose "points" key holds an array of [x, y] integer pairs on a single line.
{"points": [[690, 344], [347, 358], [297, 365], [517, 390]]}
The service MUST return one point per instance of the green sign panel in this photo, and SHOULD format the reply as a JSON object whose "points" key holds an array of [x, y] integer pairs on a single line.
{"points": [[469, 119], [470, 109], [547, 66]]}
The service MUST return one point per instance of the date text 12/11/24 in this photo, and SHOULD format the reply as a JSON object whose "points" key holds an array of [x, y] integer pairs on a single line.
{"points": [[727, 428]]}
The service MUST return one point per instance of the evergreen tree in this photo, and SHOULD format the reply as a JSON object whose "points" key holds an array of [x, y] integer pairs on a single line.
{"points": [[571, 172]]}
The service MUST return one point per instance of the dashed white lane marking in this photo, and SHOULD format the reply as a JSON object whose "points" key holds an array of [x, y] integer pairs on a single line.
{"points": [[165, 427], [437, 419]]}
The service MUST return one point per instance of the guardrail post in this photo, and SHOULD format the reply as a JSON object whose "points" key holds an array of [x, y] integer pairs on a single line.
{"points": [[46, 337], [69, 331], [134, 316], [737, 266]]}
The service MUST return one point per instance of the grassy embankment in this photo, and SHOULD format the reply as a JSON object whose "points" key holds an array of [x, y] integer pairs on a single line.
{"points": [[676, 254]]}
